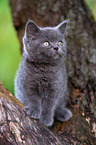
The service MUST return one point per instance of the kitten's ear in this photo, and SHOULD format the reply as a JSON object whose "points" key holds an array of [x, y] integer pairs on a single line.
{"points": [[62, 26], [31, 29]]}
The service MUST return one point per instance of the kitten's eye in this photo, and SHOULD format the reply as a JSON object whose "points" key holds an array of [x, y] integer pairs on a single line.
{"points": [[60, 43], [46, 43]]}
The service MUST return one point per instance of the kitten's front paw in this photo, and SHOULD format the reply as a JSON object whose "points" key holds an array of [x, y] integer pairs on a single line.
{"points": [[63, 115], [33, 113], [46, 120]]}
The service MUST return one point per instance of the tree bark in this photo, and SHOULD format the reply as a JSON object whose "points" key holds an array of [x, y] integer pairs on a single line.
{"points": [[17, 128], [81, 60]]}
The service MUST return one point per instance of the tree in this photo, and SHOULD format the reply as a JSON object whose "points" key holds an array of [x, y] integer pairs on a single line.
{"points": [[81, 60]]}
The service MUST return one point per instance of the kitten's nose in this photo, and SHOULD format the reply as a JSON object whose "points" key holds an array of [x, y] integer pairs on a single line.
{"points": [[56, 48]]}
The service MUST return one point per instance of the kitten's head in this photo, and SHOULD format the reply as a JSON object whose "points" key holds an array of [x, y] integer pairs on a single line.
{"points": [[44, 45]]}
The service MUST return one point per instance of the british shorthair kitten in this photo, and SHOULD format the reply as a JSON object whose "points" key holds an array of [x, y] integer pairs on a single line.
{"points": [[41, 80]]}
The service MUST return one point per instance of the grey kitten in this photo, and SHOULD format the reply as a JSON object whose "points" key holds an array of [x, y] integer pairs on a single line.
{"points": [[41, 80]]}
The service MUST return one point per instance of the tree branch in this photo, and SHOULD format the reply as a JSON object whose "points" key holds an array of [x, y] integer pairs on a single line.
{"points": [[16, 127]]}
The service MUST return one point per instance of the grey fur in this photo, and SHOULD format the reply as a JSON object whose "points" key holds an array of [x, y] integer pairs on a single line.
{"points": [[41, 80]]}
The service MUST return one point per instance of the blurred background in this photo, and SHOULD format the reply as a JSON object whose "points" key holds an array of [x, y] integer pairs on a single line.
{"points": [[9, 45]]}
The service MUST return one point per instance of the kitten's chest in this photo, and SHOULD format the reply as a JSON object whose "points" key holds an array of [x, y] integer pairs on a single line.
{"points": [[46, 79], [49, 84], [50, 80]]}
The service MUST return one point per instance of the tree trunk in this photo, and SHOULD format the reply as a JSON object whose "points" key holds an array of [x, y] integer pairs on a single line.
{"points": [[81, 60]]}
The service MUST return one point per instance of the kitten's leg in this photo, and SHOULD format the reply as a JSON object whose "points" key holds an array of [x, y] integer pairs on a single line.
{"points": [[48, 107], [62, 113], [33, 107]]}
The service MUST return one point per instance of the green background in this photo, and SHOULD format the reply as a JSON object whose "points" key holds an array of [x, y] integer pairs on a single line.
{"points": [[9, 44]]}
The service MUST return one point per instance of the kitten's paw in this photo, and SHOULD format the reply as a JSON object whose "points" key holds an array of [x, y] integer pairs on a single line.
{"points": [[63, 115], [46, 120], [33, 113]]}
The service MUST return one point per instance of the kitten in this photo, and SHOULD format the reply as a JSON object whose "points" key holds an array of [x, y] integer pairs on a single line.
{"points": [[41, 80]]}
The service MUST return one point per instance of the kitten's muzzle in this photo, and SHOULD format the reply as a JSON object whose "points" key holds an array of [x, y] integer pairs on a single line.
{"points": [[56, 48]]}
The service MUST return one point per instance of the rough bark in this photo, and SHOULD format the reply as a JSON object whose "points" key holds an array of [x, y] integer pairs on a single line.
{"points": [[81, 60], [16, 127]]}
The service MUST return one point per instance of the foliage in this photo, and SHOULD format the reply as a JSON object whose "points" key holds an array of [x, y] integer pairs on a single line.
{"points": [[9, 47], [92, 6]]}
